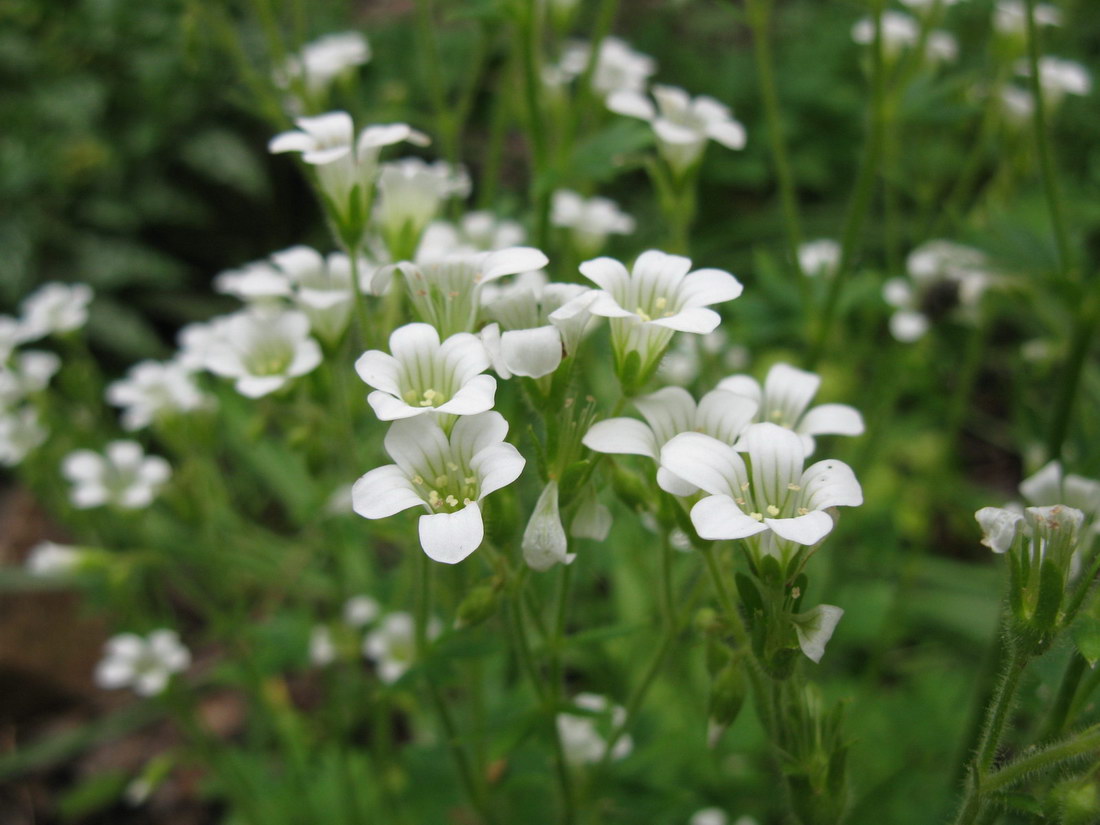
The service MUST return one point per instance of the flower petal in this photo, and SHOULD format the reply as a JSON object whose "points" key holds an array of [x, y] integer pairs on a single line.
{"points": [[808, 529], [473, 433], [719, 517], [692, 319], [704, 287], [830, 483], [724, 414], [776, 454], [705, 462], [379, 370], [451, 537], [815, 627], [788, 391], [831, 419], [621, 436], [631, 104], [669, 412], [477, 396], [384, 491], [532, 352], [497, 466], [606, 273]]}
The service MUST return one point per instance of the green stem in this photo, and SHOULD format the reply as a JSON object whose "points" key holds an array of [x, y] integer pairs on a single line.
{"points": [[361, 315], [429, 50], [861, 197], [531, 43], [967, 377], [1086, 743], [1046, 158], [1059, 712], [1084, 329], [758, 19]]}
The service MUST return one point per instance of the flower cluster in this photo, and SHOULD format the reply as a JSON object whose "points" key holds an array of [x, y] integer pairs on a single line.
{"points": [[145, 664]]}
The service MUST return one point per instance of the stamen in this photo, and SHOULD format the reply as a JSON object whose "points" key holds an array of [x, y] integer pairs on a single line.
{"points": [[641, 313], [757, 516], [794, 488], [773, 510]]}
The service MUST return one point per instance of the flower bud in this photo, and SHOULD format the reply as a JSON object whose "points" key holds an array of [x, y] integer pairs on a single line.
{"points": [[479, 605], [544, 540], [727, 695]]}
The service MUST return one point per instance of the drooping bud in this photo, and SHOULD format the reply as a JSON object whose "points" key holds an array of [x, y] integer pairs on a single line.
{"points": [[592, 520], [815, 627], [479, 605], [544, 540]]}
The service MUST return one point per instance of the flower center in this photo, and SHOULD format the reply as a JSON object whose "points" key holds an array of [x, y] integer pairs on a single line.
{"points": [[450, 491]]}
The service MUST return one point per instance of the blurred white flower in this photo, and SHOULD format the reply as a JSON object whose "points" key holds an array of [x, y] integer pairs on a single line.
{"points": [[346, 165], [143, 664], [669, 412], [927, 5], [255, 283], [28, 372], [392, 646], [941, 47], [446, 475], [820, 257], [544, 541], [322, 287], [48, 558], [592, 519], [683, 124], [322, 649], [584, 735], [20, 433], [772, 503], [360, 611], [589, 220], [325, 59], [123, 476], [785, 400], [445, 292], [196, 340], [1016, 104], [152, 389], [424, 375], [262, 349], [899, 31], [55, 308], [477, 231], [709, 816], [618, 67], [12, 334], [657, 298], [1051, 485], [1010, 17], [410, 194], [1058, 77]]}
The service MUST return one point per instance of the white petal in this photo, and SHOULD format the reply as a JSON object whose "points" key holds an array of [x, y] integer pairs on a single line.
{"points": [[114, 673], [532, 352], [830, 483], [776, 454], [291, 142], [908, 326], [388, 408], [606, 273], [82, 465], [451, 537], [497, 466], [413, 340], [477, 396], [621, 436], [512, 261], [490, 339], [705, 462], [669, 411], [832, 419], [1045, 486], [719, 517], [730, 134], [379, 370], [724, 414], [592, 521], [306, 358], [384, 491], [673, 484], [692, 319], [808, 529], [257, 386], [544, 542], [631, 104], [473, 433], [999, 527], [815, 627], [788, 391], [709, 286], [744, 385]]}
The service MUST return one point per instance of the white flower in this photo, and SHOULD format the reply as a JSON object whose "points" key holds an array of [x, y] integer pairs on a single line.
{"points": [[785, 400], [445, 292], [654, 300], [254, 283], [197, 340], [815, 627], [262, 349], [899, 31], [683, 124], [618, 67], [668, 412], [682, 363], [424, 375], [322, 649], [410, 195], [1059, 77], [544, 541], [589, 220], [477, 231], [941, 47], [360, 611], [1010, 17], [20, 433], [12, 334], [446, 475], [1050, 485], [153, 389], [999, 527], [927, 5], [820, 257], [324, 60], [709, 816], [584, 735], [30, 373], [48, 558], [123, 476], [775, 505], [322, 287], [1016, 104], [55, 308], [535, 324], [346, 166], [392, 646], [144, 664], [592, 519]]}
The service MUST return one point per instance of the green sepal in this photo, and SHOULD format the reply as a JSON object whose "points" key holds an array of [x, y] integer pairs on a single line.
{"points": [[1052, 585]]}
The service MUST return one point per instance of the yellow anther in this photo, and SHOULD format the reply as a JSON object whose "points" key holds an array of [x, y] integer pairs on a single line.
{"points": [[794, 488], [452, 466], [641, 313], [471, 480], [417, 480], [802, 511], [773, 511], [441, 481], [745, 486], [451, 501], [757, 516], [660, 303], [740, 501], [467, 501]]}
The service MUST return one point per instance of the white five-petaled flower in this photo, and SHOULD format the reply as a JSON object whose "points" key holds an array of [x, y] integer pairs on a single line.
{"points": [[785, 400], [322, 287], [618, 67], [144, 664], [1059, 77], [324, 60], [410, 194], [584, 735], [123, 476], [1010, 17], [152, 389], [669, 412], [654, 300], [424, 375], [392, 645], [899, 31], [346, 165], [820, 257], [445, 292], [446, 475], [589, 220], [54, 308], [683, 124], [535, 324], [262, 349], [772, 502], [20, 433]]}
